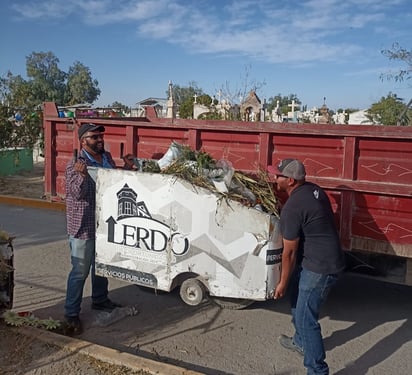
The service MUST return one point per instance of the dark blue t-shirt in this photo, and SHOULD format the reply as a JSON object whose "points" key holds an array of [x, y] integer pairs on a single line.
{"points": [[308, 215]]}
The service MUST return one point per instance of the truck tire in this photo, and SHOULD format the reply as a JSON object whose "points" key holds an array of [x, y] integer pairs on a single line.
{"points": [[232, 303], [192, 292]]}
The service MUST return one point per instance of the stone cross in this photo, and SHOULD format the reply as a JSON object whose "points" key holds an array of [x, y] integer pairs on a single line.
{"points": [[292, 106], [195, 96]]}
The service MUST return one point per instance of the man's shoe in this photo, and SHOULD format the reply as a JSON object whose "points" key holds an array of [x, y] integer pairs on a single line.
{"points": [[287, 342], [107, 305], [72, 326]]}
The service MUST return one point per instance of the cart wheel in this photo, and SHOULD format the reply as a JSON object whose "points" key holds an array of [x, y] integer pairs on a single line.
{"points": [[192, 292], [232, 303]]}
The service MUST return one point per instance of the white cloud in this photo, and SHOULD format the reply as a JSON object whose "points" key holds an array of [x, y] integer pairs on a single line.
{"points": [[271, 31]]}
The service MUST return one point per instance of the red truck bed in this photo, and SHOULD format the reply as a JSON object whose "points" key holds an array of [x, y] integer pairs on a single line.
{"points": [[366, 170]]}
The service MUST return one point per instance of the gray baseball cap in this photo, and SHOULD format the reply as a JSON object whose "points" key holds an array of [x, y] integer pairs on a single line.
{"points": [[293, 168]]}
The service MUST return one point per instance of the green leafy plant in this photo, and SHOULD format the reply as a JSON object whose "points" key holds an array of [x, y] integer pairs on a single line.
{"points": [[24, 130], [16, 320]]}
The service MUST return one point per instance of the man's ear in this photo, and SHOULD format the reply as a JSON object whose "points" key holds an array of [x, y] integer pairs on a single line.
{"points": [[292, 181]]}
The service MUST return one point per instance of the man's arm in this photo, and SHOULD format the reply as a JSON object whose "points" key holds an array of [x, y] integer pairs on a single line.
{"points": [[290, 248], [76, 179]]}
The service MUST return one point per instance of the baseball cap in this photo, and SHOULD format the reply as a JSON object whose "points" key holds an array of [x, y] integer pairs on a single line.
{"points": [[290, 168], [87, 127]]}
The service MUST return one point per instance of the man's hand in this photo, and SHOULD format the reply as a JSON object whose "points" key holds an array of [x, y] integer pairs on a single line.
{"points": [[81, 167], [290, 248], [280, 291], [129, 162]]}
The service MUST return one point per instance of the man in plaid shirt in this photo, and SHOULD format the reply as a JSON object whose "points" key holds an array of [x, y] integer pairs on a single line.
{"points": [[80, 213]]}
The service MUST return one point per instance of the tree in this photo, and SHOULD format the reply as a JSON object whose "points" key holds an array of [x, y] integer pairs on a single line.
{"points": [[184, 98], [284, 102], [47, 80], [241, 91], [401, 54], [81, 87], [20, 124], [388, 110], [21, 99], [48, 83], [123, 107], [16, 92], [183, 93]]}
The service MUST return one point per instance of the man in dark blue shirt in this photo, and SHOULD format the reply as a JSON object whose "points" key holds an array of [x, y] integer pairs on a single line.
{"points": [[312, 259]]}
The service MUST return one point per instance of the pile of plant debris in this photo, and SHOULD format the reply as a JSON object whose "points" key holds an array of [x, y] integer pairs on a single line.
{"points": [[200, 169], [6, 271]]}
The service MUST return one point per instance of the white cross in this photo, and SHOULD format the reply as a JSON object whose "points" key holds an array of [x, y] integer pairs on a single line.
{"points": [[293, 105], [195, 96]]}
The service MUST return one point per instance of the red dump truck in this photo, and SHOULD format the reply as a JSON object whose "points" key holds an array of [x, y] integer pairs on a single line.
{"points": [[365, 170]]}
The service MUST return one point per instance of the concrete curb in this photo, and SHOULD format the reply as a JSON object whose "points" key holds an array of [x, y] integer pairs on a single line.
{"points": [[33, 203], [105, 354]]}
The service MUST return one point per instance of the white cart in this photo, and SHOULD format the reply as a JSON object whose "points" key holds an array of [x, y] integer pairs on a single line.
{"points": [[162, 232]]}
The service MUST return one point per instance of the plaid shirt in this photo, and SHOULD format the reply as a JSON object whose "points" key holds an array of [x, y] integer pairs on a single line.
{"points": [[81, 197]]}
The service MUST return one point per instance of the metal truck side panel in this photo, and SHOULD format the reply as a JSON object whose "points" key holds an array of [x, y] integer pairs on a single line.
{"points": [[366, 170]]}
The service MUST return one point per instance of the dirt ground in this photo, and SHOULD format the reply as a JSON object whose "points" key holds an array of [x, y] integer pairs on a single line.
{"points": [[21, 354], [25, 184]]}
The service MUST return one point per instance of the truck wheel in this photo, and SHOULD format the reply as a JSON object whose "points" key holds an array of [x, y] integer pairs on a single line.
{"points": [[192, 292], [232, 303]]}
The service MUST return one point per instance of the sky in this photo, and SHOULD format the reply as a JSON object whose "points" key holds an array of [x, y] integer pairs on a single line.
{"points": [[323, 51]]}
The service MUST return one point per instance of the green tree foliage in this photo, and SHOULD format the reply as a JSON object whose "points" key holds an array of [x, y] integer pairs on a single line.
{"points": [[16, 92], [21, 100], [388, 110], [184, 93], [24, 132], [117, 105], [186, 109], [284, 102], [6, 127], [47, 80], [402, 55], [81, 87], [183, 97]]}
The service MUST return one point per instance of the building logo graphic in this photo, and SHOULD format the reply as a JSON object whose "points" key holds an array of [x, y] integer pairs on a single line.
{"points": [[135, 227]]}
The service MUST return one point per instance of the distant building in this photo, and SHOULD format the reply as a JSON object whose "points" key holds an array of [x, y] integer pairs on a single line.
{"points": [[159, 105], [251, 107]]}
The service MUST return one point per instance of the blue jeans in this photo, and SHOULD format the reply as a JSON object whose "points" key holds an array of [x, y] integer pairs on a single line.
{"points": [[309, 291], [83, 258]]}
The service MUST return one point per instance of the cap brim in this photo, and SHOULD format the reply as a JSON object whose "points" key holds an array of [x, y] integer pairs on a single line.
{"points": [[97, 128]]}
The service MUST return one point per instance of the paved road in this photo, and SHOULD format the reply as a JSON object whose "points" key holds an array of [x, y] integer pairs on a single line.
{"points": [[366, 323], [31, 226]]}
